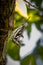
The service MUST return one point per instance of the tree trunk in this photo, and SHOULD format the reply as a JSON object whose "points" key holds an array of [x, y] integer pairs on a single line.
{"points": [[6, 24]]}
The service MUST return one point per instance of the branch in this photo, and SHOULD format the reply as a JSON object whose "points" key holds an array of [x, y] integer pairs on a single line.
{"points": [[4, 30], [40, 9], [12, 7]]}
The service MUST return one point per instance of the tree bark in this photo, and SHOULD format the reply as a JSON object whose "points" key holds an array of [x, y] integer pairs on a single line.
{"points": [[6, 24]]}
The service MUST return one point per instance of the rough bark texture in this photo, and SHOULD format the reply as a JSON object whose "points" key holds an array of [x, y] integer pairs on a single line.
{"points": [[6, 24]]}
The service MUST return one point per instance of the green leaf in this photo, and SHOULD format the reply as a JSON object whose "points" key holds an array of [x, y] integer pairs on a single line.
{"points": [[12, 49]]}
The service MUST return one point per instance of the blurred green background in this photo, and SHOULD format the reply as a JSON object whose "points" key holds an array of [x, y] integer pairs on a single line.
{"points": [[34, 16]]}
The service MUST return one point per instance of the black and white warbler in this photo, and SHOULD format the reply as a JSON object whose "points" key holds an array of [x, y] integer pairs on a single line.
{"points": [[17, 33]]}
